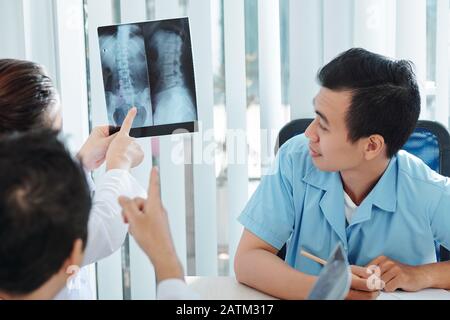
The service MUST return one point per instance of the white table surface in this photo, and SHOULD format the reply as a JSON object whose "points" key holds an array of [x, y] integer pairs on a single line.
{"points": [[224, 288], [227, 288]]}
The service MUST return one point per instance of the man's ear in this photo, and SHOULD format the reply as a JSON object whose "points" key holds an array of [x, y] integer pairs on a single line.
{"points": [[374, 146], [75, 259]]}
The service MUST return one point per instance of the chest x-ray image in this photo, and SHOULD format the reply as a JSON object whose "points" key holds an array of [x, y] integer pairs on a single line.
{"points": [[149, 66]]}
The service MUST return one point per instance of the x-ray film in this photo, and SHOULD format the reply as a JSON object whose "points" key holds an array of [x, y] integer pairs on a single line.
{"points": [[334, 279], [148, 65]]}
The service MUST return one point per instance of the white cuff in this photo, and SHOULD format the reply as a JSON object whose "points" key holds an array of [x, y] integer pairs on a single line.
{"points": [[107, 230], [175, 289], [127, 185]]}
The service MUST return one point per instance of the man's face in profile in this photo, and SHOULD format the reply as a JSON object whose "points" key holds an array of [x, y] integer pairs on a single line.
{"points": [[330, 148]]}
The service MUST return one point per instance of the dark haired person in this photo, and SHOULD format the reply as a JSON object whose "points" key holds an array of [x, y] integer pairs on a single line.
{"points": [[345, 181], [29, 101], [44, 218]]}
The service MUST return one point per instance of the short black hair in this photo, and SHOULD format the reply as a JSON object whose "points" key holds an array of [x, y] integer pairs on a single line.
{"points": [[385, 95], [44, 208]]}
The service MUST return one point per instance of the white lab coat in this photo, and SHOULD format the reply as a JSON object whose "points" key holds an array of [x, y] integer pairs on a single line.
{"points": [[106, 229], [175, 289], [106, 234]]}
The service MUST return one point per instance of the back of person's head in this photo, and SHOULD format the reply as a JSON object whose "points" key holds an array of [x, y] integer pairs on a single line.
{"points": [[44, 209], [385, 95], [27, 97]]}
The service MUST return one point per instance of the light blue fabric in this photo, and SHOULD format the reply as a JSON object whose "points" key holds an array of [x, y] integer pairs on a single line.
{"points": [[403, 215], [425, 145]]}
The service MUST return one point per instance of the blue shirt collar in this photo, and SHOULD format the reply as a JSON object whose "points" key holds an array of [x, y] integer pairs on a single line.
{"points": [[383, 195]]}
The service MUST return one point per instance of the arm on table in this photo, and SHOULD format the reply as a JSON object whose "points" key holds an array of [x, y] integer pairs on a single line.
{"points": [[257, 265], [397, 275]]}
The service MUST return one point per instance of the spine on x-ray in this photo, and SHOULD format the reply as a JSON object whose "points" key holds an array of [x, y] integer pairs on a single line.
{"points": [[123, 68]]}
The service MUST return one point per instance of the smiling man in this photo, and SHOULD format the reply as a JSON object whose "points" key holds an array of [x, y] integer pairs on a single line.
{"points": [[346, 181]]}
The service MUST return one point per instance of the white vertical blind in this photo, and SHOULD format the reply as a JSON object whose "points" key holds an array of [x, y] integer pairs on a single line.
{"points": [[199, 12], [306, 54], [236, 108], [374, 25], [142, 279], [12, 19], [100, 13], [167, 9], [40, 44], [338, 27], [172, 171], [173, 192], [28, 32], [133, 11], [269, 78], [72, 70], [59, 43], [411, 41], [442, 61]]}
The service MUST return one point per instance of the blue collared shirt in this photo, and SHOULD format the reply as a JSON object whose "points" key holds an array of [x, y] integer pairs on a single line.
{"points": [[407, 210]]}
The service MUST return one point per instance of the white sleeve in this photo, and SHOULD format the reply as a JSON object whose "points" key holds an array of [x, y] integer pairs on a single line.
{"points": [[106, 229], [89, 181], [175, 289]]}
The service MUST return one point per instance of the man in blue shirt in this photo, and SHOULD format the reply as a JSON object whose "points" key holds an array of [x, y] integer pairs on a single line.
{"points": [[345, 181]]}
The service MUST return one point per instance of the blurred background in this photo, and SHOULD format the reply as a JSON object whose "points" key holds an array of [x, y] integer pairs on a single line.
{"points": [[255, 64]]}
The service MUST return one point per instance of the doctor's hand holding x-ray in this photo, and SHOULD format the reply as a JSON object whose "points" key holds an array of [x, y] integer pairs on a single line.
{"points": [[119, 150]]}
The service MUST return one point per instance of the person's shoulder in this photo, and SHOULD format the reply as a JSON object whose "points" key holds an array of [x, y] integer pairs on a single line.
{"points": [[415, 169], [294, 154], [297, 145]]}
